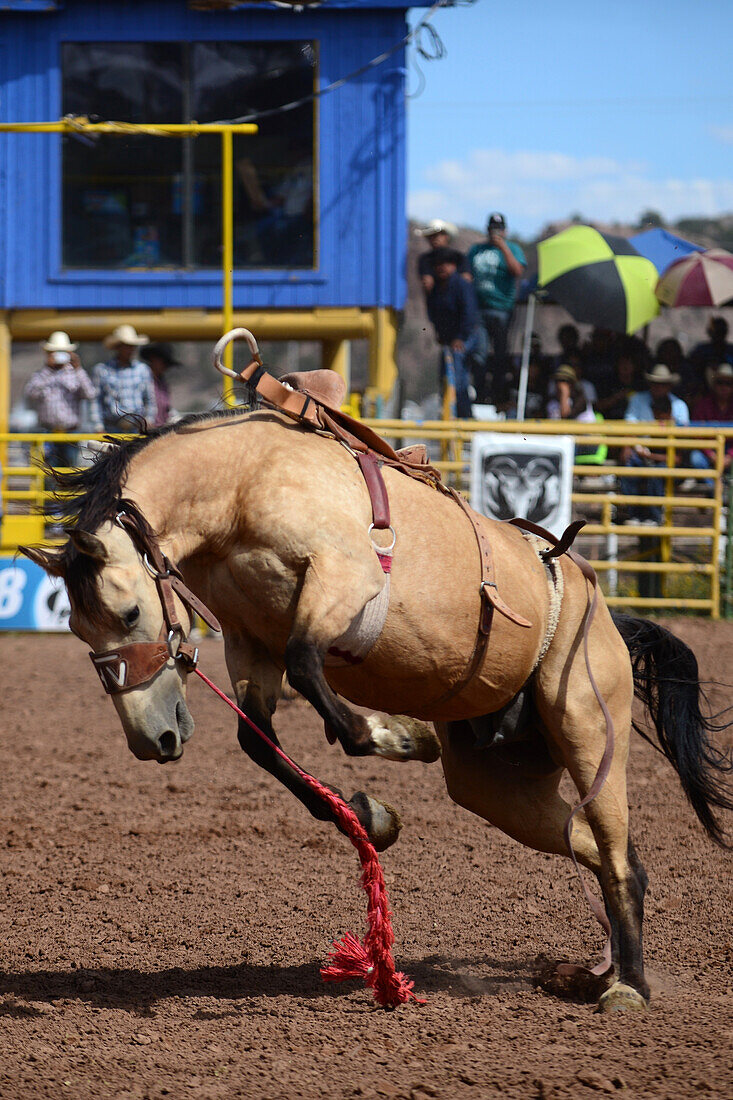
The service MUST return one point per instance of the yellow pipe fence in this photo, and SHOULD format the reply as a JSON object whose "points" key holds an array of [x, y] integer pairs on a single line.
{"points": [[682, 553]]}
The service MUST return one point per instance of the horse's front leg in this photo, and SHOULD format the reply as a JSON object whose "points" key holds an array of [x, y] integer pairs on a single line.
{"points": [[257, 684], [334, 591]]}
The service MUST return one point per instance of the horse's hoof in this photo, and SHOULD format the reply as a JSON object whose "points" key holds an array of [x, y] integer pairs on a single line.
{"points": [[398, 737], [622, 998], [380, 821]]}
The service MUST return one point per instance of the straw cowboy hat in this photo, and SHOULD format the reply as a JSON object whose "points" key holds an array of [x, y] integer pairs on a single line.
{"points": [[660, 372], [125, 334], [437, 225], [724, 370], [59, 341], [565, 373]]}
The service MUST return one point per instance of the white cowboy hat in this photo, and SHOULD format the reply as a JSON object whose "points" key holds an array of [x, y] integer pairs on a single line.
{"points": [[59, 341], [437, 225], [724, 370], [660, 372], [125, 334]]}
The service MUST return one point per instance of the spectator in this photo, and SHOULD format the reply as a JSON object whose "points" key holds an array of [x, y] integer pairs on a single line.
{"points": [[599, 360], [670, 353], [438, 235], [125, 388], [535, 403], [629, 381], [706, 357], [574, 360], [568, 338], [715, 407], [571, 400], [496, 267], [56, 392], [660, 404], [159, 358], [452, 309], [660, 380]]}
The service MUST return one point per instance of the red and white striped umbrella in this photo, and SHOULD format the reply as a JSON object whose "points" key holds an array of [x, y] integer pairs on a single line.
{"points": [[700, 279]]}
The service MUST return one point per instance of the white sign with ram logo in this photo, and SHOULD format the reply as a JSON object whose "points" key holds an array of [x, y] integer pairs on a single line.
{"points": [[526, 476]]}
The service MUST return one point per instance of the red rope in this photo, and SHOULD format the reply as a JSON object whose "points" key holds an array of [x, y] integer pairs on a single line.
{"points": [[350, 957]]}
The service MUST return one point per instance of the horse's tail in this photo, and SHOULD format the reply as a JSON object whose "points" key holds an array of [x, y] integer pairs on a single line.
{"points": [[666, 680]]}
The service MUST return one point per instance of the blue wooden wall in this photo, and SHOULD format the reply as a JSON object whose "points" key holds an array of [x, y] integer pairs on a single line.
{"points": [[361, 128]]}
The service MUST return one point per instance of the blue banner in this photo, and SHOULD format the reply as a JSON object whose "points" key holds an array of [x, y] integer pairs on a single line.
{"points": [[29, 598]]}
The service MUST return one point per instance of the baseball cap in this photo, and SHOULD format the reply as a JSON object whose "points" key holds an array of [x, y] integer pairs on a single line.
{"points": [[496, 221]]}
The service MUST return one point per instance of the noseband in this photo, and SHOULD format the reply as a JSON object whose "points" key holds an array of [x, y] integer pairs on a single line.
{"points": [[128, 666]]}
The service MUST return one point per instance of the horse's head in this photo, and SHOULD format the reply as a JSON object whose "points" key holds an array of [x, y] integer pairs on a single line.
{"points": [[119, 610]]}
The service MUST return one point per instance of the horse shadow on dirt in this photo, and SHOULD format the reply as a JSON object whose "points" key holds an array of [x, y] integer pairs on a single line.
{"points": [[138, 991]]}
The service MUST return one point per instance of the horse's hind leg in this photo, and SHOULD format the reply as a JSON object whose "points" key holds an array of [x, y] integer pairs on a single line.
{"points": [[572, 715], [257, 683]]}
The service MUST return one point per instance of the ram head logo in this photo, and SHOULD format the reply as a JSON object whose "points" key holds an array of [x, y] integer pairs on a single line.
{"points": [[527, 486]]}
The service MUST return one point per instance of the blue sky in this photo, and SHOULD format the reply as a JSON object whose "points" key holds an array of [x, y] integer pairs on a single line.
{"points": [[543, 110]]}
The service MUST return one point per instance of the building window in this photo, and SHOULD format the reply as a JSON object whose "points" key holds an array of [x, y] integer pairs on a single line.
{"points": [[154, 203]]}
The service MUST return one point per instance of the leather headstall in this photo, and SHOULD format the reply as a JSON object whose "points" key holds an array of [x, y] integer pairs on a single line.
{"points": [[130, 665]]}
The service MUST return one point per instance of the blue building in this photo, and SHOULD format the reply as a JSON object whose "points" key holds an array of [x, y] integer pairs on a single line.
{"points": [[97, 230]]}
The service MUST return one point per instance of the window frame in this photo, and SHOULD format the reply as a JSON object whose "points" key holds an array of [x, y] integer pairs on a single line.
{"points": [[193, 276]]}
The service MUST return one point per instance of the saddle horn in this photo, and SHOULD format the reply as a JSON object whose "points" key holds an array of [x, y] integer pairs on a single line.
{"points": [[236, 334]]}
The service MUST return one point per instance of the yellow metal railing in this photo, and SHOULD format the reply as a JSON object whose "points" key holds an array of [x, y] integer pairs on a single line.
{"points": [[683, 552], [622, 553]]}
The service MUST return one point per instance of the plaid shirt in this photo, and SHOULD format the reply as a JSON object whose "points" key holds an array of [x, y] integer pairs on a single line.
{"points": [[123, 391], [57, 394]]}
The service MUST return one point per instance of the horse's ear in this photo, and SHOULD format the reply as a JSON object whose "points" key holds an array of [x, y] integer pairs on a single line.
{"points": [[49, 560], [89, 544]]}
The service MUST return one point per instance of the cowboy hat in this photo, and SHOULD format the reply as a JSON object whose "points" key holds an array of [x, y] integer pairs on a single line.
{"points": [[162, 351], [724, 370], [565, 373], [437, 225], [59, 341], [125, 334], [660, 372]]}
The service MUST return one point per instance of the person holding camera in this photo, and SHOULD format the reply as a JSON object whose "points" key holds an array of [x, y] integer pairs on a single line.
{"points": [[496, 266], [56, 392]]}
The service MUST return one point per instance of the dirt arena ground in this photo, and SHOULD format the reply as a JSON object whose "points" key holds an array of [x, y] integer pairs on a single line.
{"points": [[162, 928]]}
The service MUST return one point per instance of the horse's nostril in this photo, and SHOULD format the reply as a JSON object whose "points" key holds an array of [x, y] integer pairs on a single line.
{"points": [[167, 743]]}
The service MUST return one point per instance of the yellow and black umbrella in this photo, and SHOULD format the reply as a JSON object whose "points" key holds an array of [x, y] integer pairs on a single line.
{"points": [[599, 279]]}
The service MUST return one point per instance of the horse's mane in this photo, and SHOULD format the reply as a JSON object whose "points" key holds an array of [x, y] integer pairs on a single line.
{"points": [[88, 497]]}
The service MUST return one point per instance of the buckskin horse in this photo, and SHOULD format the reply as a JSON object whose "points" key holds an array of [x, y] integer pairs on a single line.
{"points": [[428, 612]]}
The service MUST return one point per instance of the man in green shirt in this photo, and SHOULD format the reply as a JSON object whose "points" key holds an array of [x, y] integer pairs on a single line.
{"points": [[496, 267]]}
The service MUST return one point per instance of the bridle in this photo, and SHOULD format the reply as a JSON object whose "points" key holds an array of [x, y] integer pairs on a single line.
{"points": [[130, 665]]}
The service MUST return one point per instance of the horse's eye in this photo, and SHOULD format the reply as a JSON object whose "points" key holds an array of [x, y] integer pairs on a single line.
{"points": [[132, 616]]}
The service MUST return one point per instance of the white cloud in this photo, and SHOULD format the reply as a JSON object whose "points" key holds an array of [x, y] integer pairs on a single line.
{"points": [[533, 188]]}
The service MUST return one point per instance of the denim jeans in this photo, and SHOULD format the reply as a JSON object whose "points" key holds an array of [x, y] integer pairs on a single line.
{"points": [[58, 454], [61, 454], [490, 374], [700, 461], [461, 374]]}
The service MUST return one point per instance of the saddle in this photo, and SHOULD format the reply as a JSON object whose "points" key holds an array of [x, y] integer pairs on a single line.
{"points": [[328, 390]]}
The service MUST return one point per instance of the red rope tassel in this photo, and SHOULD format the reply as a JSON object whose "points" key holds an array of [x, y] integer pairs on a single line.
{"points": [[370, 960]]}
